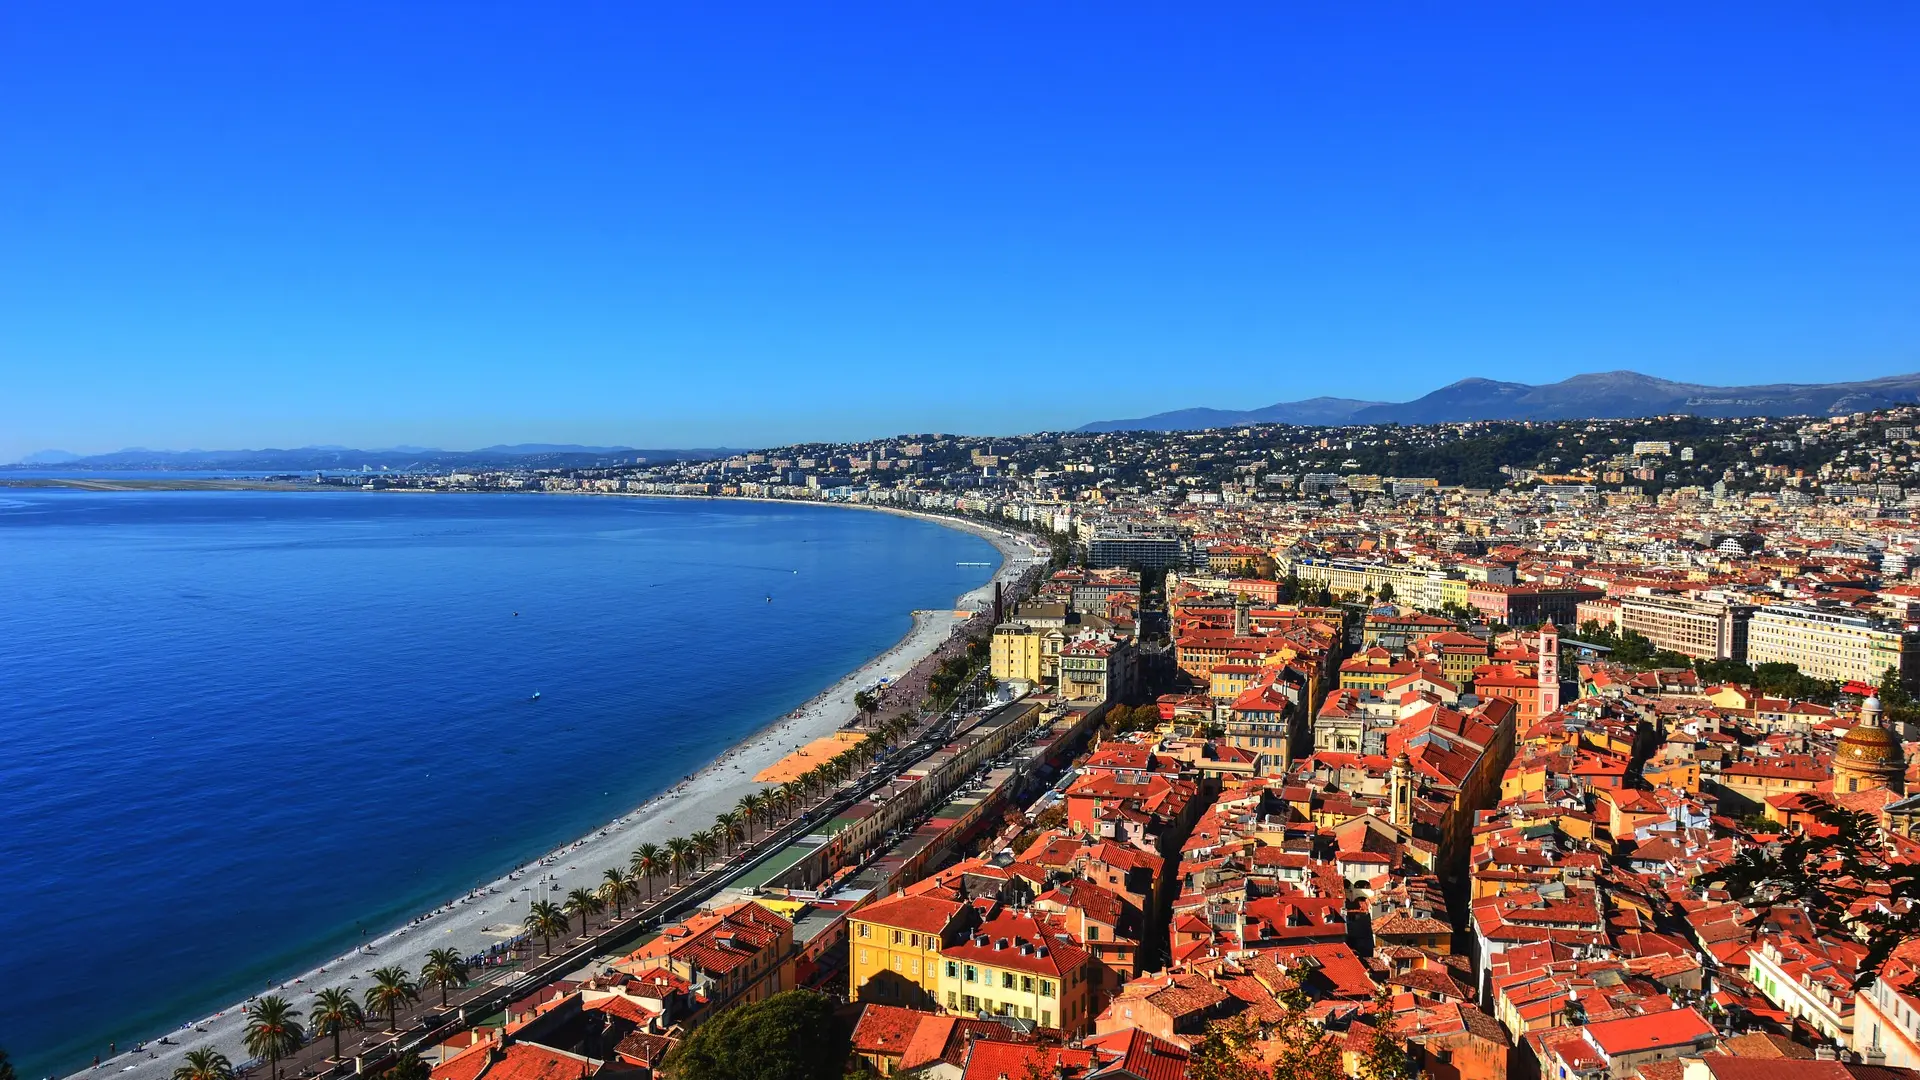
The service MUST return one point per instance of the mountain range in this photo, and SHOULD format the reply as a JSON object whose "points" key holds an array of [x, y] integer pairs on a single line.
{"points": [[1610, 394], [397, 458]]}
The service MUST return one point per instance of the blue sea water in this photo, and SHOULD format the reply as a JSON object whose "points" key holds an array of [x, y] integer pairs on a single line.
{"points": [[238, 728]]}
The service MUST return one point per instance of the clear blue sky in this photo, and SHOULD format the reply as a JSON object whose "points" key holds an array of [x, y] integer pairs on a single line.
{"points": [[291, 223]]}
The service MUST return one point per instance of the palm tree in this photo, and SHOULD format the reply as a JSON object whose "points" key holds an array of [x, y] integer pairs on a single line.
{"points": [[615, 887], [679, 856], [750, 805], [392, 990], [273, 1031], [205, 1063], [648, 860], [446, 969], [706, 844], [546, 919], [583, 902], [729, 826], [334, 1011]]}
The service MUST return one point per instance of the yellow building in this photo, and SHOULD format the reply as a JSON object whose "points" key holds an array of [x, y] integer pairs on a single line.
{"points": [[1016, 653], [1012, 966], [895, 946]]}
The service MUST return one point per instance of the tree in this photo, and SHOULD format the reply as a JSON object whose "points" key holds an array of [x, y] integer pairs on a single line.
{"points": [[1384, 1056], [273, 1030], [205, 1063], [1841, 880], [680, 854], [446, 969], [706, 844], [392, 990], [333, 1012], [583, 902], [865, 702], [1225, 1051], [729, 826], [546, 919], [615, 888], [789, 1036], [1386, 592], [648, 861], [6, 1067], [408, 1068], [749, 806], [1303, 1050]]}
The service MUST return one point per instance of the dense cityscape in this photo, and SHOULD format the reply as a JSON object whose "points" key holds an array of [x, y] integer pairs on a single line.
{"points": [[1568, 749]]}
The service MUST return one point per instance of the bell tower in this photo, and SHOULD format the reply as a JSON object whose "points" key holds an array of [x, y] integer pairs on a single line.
{"points": [[1549, 669]]}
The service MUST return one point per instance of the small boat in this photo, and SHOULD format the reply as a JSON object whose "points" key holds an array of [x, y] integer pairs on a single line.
{"points": [[535, 697], [769, 598]]}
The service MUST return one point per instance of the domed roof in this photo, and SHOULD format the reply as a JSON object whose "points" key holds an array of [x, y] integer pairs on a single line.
{"points": [[1870, 745]]}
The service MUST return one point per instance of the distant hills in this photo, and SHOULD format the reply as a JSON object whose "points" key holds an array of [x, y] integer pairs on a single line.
{"points": [[1611, 394], [336, 458]]}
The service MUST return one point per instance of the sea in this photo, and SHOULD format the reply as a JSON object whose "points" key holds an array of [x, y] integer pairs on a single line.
{"points": [[239, 729]]}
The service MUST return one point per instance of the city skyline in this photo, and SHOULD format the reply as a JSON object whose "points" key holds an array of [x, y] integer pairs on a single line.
{"points": [[233, 228]]}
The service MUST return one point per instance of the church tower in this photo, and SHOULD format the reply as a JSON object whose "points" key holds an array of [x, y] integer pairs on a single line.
{"points": [[1549, 665], [1400, 791]]}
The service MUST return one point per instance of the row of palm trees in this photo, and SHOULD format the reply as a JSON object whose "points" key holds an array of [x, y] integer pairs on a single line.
{"points": [[682, 856], [275, 1029]]}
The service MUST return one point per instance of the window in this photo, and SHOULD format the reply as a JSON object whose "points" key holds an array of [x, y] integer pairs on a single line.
{"points": [[1026, 987], [973, 973], [898, 937], [953, 970], [863, 956], [972, 1003], [1026, 1011], [1046, 988], [1046, 1018], [913, 940], [1093, 933], [896, 963], [952, 999], [863, 929], [1006, 980]]}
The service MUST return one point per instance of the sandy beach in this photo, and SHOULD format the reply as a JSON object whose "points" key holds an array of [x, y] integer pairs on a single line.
{"points": [[484, 918]]}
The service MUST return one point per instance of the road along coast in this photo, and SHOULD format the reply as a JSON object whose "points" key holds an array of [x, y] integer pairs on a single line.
{"points": [[492, 913]]}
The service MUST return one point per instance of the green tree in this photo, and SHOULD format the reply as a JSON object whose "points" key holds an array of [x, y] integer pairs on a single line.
{"points": [[273, 1031], [6, 1067], [584, 903], [680, 856], [1385, 1055], [445, 969], [648, 861], [749, 807], [1842, 881], [789, 1036], [205, 1063], [615, 888], [408, 1068], [1226, 1052], [546, 919], [392, 990], [333, 1012], [1304, 1051]]}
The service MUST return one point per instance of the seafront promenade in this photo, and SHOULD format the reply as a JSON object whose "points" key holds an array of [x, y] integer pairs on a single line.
{"points": [[489, 918]]}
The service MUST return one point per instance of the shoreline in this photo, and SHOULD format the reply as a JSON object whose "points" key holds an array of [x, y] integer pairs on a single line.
{"points": [[491, 913]]}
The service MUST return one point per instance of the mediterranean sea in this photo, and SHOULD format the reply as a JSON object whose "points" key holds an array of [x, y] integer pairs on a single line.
{"points": [[239, 729]]}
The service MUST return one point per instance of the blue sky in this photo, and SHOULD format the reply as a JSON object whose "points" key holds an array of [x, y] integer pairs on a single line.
{"points": [[293, 223]]}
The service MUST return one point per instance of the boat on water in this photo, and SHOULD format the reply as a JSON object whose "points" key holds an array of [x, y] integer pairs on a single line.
{"points": [[535, 697]]}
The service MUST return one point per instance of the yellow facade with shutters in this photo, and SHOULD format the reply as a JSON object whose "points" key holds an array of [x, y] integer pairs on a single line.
{"points": [[892, 965]]}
